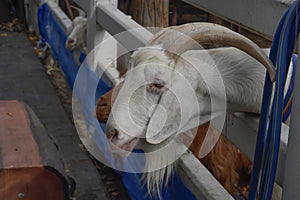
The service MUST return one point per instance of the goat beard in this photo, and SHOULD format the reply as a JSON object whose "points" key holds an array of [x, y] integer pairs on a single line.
{"points": [[159, 167]]}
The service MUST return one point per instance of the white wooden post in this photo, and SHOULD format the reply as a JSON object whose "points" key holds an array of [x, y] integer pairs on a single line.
{"points": [[114, 3], [91, 25]]}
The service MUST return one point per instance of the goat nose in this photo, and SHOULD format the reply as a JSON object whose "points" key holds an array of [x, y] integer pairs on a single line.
{"points": [[102, 103], [112, 134], [70, 43], [70, 40]]}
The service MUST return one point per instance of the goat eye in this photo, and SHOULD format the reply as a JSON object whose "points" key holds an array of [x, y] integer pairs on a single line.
{"points": [[156, 87]]}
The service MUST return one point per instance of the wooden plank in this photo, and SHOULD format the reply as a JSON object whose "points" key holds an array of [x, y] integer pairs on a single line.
{"points": [[125, 6], [151, 13]]}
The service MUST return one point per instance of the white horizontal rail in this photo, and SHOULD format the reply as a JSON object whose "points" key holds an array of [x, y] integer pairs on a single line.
{"points": [[60, 16], [114, 21], [242, 128], [196, 177]]}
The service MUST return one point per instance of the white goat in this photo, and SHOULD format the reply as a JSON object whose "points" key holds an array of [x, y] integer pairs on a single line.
{"points": [[166, 78], [105, 53], [77, 34]]}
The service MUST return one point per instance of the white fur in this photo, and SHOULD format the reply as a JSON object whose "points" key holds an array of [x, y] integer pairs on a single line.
{"points": [[159, 167]]}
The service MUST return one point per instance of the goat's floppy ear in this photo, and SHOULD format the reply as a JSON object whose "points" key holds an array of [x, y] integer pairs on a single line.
{"points": [[155, 134]]}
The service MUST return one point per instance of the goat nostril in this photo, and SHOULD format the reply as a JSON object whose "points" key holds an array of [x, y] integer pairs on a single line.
{"points": [[113, 133], [102, 103], [70, 41]]}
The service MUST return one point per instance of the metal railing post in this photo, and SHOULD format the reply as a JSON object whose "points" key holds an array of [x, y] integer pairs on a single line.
{"points": [[291, 185], [91, 25]]}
